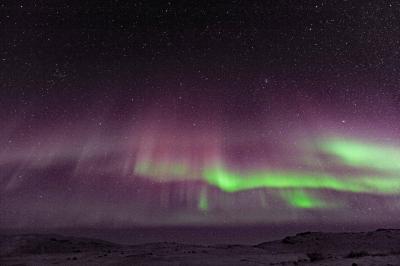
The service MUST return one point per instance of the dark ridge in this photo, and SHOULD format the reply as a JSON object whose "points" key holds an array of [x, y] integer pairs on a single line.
{"points": [[302, 248]]}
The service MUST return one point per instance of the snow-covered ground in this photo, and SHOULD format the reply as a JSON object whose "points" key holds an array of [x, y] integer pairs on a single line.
{"points": [[380, 247]]}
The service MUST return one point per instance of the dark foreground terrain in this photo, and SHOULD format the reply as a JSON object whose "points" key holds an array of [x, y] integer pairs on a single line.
{"points": [[380, 247]]}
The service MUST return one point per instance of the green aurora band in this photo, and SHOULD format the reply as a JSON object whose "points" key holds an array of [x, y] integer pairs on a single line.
{"points": [[232, 182], [293, 186], [301, 199], [358, 154], [203, 201]]}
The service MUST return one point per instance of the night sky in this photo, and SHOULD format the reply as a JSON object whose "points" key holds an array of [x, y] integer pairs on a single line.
{"points": [[131, 113]]}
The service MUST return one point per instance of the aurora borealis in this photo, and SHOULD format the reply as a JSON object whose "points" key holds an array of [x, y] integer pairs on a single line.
{"points": [[203, 178], [217, 114]]}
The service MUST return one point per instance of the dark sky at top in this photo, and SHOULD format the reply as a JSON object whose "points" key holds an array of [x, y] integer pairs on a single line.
{"points": [[62, 47], [112, 111]]}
